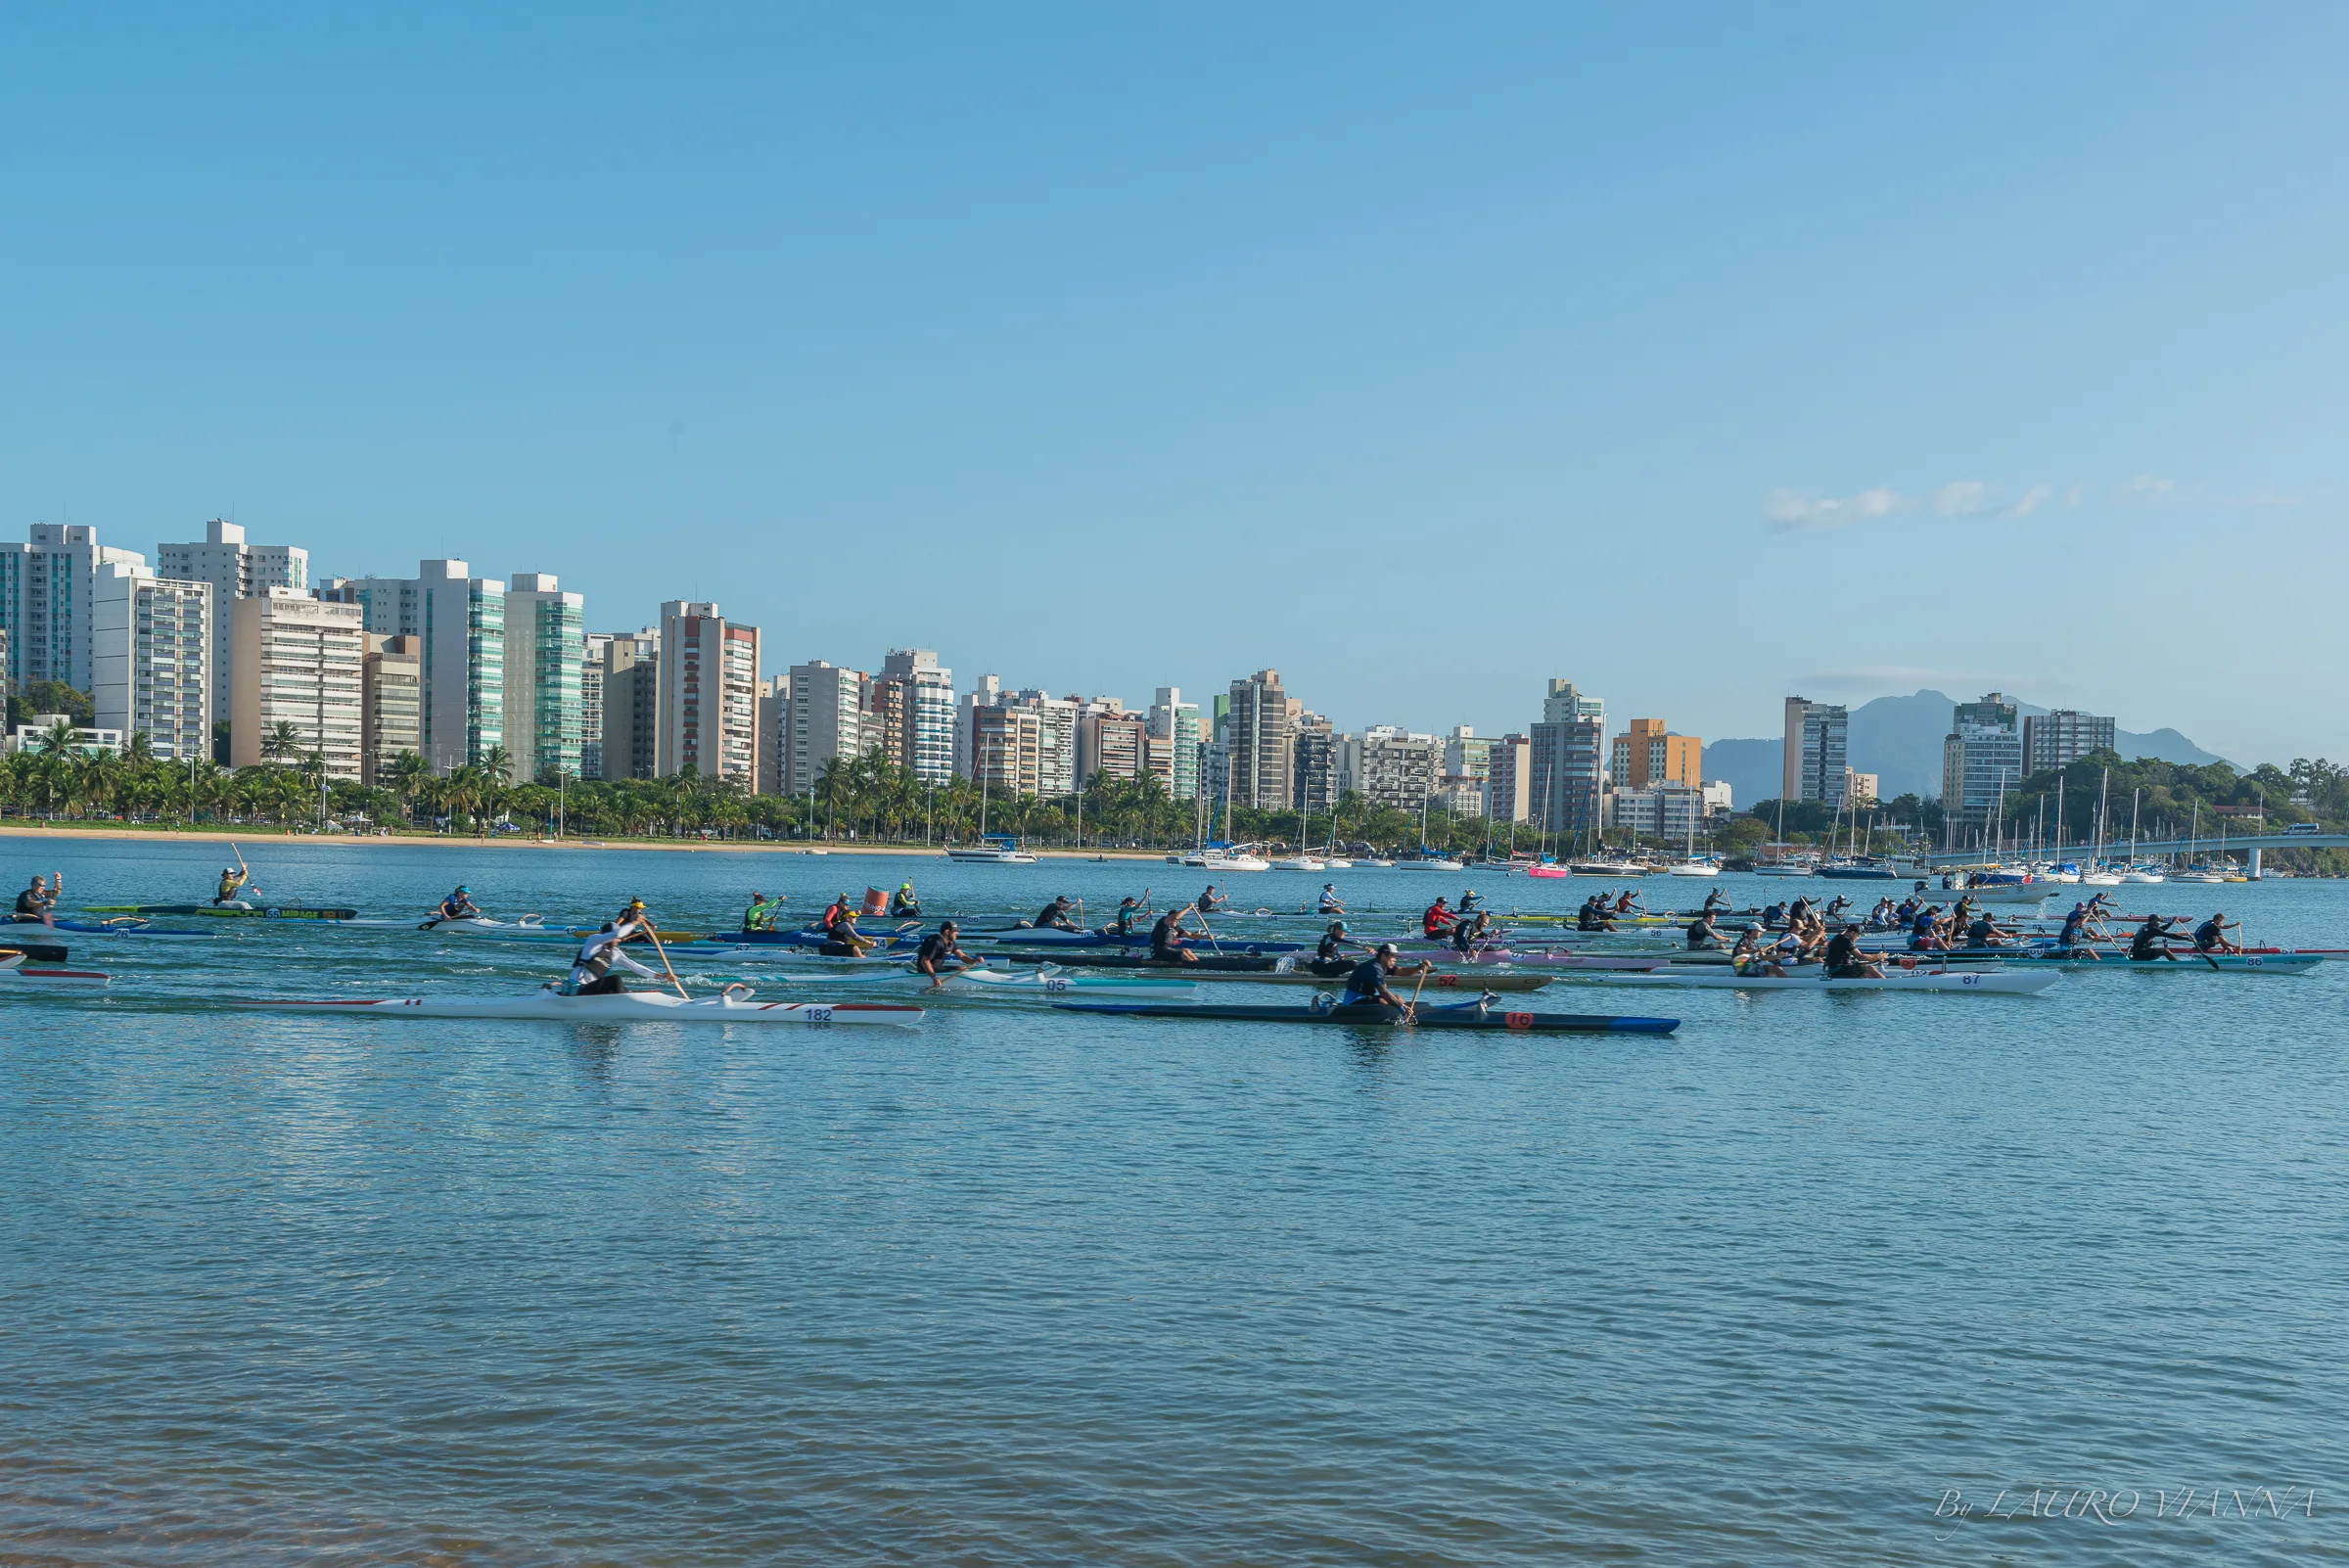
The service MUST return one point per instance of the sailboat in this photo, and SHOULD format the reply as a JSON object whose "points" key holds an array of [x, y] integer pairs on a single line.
{"points": [[1305, 859]]}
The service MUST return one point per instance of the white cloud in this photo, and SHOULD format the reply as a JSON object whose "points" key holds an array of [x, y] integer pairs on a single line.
{"points": [[1790, 509], [2147, 485], [2031, 500], [1960, 497]]}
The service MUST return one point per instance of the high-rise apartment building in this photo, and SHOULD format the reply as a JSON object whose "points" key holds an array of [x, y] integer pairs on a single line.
{"points": [[708, 695], [1567, 762], [1314, 764], [298, 660], [151, 654], [546, 701], [988, 693], [1817, 737], [46, 589], [1111, 741], [1259, 744], [391, 705], [920, 708], [2063, 737], [1056, 742], [459, 621], [1509, 779], [236, 571], [1387, 766], [828, 710], [1468, 755], [1008, 746], [1174, 743], [1645, 755], [1981, 760], [626, 710]]}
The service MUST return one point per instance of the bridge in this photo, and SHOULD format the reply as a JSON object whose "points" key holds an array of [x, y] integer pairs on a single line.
{"points": [[2249, 844]]}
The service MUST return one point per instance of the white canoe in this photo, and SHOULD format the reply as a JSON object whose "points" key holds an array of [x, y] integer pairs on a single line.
{"points": [[2001, 981], [626, 1007]]}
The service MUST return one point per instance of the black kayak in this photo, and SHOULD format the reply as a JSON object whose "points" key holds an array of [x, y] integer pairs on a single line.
{"points": [[1089, 958], [39, 952], [1471, 1015]]}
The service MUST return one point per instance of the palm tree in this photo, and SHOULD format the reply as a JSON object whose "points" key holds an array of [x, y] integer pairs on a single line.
{"points": [[60, 739], [282, 741], [498, 763], [410, 774]]}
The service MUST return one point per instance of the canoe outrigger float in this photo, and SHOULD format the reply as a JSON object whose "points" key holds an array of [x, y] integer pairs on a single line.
{"points": [[1460, 1015], [1003, 982], [620, 1007], [16, 973], [234, 910]]}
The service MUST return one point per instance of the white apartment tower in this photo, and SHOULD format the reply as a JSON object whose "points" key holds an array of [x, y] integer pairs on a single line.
{"points": [[46, 589], [236, 571], [151, 654], [298, 660], [926, 711], [460, 624], [826, 720], [708, 695]]}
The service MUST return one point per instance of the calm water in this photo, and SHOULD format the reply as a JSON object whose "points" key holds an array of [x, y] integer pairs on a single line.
{"points": [[1019, 1288]]}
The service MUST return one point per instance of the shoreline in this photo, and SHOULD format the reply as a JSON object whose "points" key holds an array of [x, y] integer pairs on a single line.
{"points": [[252, 834]]}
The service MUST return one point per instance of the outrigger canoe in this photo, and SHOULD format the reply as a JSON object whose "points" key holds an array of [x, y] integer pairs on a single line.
{"points": [[232, 910], [1995, 982], [39, 952], [128, 927], [1445, 982], [1467, 1015], [528, 928], [625, 1007], [1003, 982]]}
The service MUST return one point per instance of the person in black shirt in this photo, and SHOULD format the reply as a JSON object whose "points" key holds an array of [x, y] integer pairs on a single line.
{"points": [[1329, 955], [941, 955], [1366, 988], [2151, 940], [1984, 933], [1773, 917], [1165, 939], [1209, 901], [1054, 916], [1703, 934], [1466, 935], [1843, 960], [844, 941], [34, 904]]}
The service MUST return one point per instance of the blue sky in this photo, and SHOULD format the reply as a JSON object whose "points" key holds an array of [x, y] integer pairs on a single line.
{"points": [[1422, 354]]}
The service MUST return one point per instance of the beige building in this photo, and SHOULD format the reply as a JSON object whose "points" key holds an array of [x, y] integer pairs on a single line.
{"points": [[299, 661], [391, 705], [709, 690]]}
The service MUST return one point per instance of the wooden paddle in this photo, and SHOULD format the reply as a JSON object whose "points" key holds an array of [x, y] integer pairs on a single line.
{"points": [[1410, 1010], [664, 963]]}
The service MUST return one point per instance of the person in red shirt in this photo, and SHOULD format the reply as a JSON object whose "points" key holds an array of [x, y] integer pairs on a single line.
{"points": [[1437, 923]]}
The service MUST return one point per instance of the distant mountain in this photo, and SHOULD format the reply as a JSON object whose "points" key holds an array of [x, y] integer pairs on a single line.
{"points": [[1899, 740]]}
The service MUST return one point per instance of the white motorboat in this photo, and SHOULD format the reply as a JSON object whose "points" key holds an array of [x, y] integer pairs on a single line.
{"points": [[1331, 862], [1301, 863], [1784, 869], [2143, 876], [1692, 868], [994, 848]]}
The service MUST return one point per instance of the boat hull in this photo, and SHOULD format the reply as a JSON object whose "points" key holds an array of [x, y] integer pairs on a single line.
{"points": [[226, 911], [1468, 1016], [626, 1007], [2008, 982]]}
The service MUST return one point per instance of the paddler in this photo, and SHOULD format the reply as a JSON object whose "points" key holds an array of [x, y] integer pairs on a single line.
{"points": [[1985, 932], [1774, 916], [1469, 899], [37, 906], [1129, 909], [902, 902], [1751, 958], [459, 906], [1329, 955], [1165, 939], [1623, 906], [232, 882], [1834, 910], [1843, 959], [1716, 901], [1367, 986], [2211, 936], [1436, 922], [1924, 930], [838, 909], [940, 956], [1594, 915], [1467, 934], [1054, 916], [2151, 940], [1704, 936], [1330, 904], [591, 971], [2075, 929], [844, 940], [1211, 901], [1883, 917], [762, 912]]}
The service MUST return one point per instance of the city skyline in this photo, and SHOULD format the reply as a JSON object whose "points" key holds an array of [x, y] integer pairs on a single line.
{"points": [[1609, 331]]}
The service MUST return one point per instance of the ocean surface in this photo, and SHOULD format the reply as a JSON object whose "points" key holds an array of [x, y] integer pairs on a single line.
{"points": [[1865, 1279]]}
